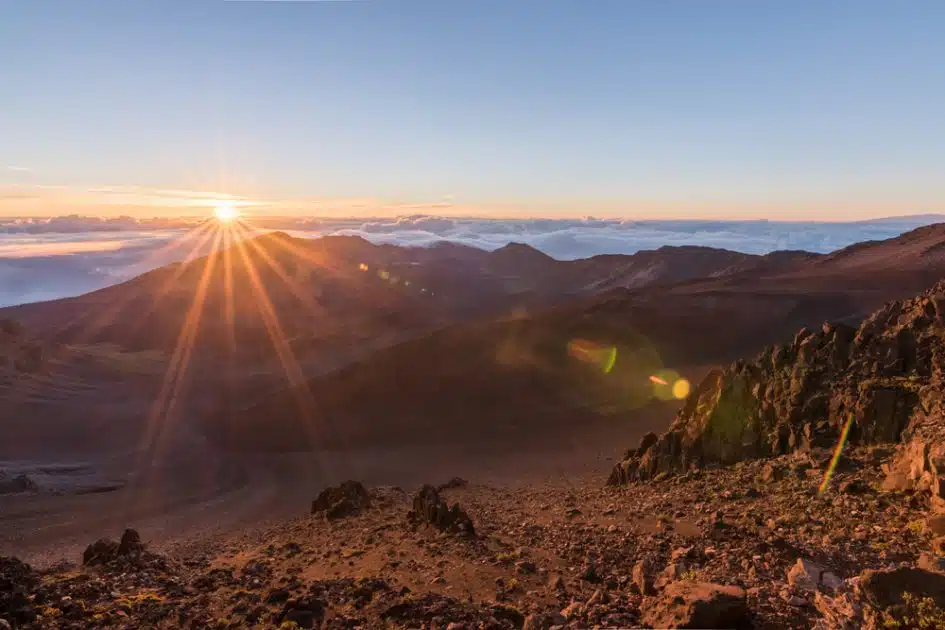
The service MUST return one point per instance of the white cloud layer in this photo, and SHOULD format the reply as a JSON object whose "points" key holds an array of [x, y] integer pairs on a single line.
{"points": [[63, 256]]}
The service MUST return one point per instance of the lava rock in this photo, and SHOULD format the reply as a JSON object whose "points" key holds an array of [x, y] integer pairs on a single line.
{"points": [[688, 604], [105, 551], [342, 501], [307, 613], [429, 508]]}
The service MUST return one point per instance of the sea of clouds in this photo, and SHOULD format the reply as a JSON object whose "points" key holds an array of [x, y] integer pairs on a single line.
{"points": [[44, 259]]}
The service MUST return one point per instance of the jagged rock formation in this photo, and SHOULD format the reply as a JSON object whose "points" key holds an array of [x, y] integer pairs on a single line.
{"points": [[347, 499], [428, 507], [885, 378]]}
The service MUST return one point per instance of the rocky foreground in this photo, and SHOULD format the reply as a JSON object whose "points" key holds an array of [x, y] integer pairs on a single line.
{"points": [[753, 545], [803, 489]]}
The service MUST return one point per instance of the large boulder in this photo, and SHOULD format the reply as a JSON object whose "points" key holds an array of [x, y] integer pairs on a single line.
{"points": [[106, 551], [687, 604]]}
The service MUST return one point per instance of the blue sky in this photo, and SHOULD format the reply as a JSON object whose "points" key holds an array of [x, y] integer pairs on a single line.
{"points": [[669, 108]]}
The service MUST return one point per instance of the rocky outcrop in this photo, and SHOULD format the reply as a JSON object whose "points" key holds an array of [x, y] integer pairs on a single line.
{"points": [[884, 378], [919, 464], [897, 598], [429, 508], [106, 551], [341, 501], [689, 604]]}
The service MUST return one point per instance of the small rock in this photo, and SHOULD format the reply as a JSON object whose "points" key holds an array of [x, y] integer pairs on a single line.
{"points": [[599, 597], [525, 567], [854, 486], [771, 473], [573, 611], [932, 563], [672, 572], [589, 572], [805, 575]]}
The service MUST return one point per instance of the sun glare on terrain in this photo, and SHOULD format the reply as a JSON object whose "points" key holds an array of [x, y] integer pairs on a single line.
{"points": [[225, 213]]}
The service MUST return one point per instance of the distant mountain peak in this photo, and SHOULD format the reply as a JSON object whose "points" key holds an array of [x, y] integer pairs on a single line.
{"points": [[521, 249]]}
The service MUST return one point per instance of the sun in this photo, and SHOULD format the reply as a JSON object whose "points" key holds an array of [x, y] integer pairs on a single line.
{"points": [[225, 213]]}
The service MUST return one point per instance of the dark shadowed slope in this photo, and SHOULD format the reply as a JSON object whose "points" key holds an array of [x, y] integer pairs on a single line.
{"points": [[491, 384], [521, 375]]}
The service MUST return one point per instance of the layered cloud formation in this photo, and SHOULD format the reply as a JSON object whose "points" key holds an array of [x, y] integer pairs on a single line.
{"points": [[43, 259]]}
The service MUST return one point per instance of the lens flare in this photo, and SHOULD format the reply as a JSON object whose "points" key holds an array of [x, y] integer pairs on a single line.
{"points": [[656, 380], [592, 352], [681, 388], [836, 456]]}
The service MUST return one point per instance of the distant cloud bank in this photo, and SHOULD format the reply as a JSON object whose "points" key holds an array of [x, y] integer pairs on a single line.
{"points": [[48, 258]]}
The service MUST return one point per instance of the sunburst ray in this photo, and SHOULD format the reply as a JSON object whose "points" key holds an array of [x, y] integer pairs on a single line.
{"points": [[163, 407], [293, 372]]}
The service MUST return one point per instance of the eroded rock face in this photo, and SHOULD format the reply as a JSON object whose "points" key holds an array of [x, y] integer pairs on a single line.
{"points": [[885, 377], [688, 604], [919, 465], [341, 501], [428, 507]]}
